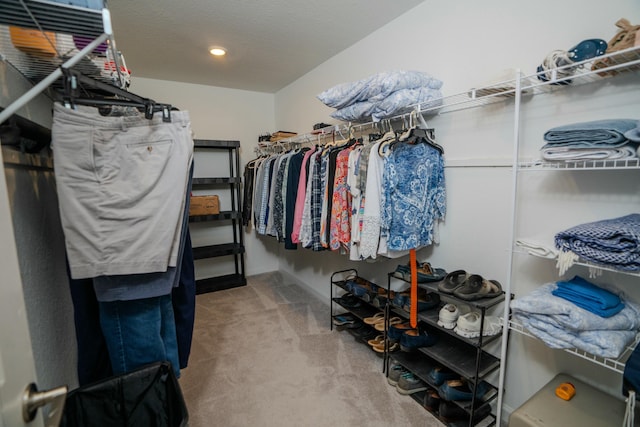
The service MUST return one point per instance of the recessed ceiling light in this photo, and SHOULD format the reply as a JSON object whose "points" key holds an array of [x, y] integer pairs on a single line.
{"points": [[218, 51]]}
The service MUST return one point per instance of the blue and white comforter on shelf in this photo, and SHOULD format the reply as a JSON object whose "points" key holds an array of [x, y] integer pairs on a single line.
{"points": [[382, 95], [396, 103], [377, 87], [561, 324]]}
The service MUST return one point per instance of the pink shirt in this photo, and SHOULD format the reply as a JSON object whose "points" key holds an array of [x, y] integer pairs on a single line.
{"points": [[302, 191]]}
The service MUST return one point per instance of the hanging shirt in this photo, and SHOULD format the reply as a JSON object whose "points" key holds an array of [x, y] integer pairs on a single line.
{"points": [[340, 221], [306, 226], [371, 218], [300, 197], [414, 195]]}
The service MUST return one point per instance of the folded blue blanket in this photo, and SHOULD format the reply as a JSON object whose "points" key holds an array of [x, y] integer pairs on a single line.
{"points": [[589, 296], [614, 242], [597, 133]]}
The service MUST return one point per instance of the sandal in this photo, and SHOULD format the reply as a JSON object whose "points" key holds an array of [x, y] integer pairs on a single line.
{"points": [[376, 318], [380, 326], [475, 287], [379, 339], [452, 281], [587, 49]]}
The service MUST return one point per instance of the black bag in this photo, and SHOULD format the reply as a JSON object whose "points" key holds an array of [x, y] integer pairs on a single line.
{"points": [[149, 396]]}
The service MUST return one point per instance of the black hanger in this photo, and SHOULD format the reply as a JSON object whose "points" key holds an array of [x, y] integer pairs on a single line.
{"points": [[426, 136], [105, 95]]}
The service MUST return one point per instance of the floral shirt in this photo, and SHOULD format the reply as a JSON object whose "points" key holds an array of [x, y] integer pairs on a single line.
{"points": [[413, 196]]}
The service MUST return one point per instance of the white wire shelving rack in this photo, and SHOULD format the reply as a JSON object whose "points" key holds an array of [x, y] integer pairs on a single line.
{"points": [[59, 23], [624, 61], [616, 365]]}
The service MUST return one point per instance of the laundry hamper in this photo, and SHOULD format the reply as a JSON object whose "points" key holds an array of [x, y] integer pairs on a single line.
{"points": [[149, 396]]}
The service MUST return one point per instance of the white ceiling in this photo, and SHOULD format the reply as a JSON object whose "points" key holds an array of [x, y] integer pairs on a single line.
{"points": [[270, 43]]}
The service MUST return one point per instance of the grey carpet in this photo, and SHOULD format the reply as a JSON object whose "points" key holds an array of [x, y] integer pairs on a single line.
{"points": [[263, 355]]}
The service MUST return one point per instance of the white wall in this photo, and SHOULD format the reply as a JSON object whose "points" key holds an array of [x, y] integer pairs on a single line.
{"points": [[468, 44], [226, 114], [40, 245]]}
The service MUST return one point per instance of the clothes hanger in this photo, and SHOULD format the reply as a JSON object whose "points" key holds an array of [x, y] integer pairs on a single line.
{"points": [[74, 82], [420, 131], [388, 138]]}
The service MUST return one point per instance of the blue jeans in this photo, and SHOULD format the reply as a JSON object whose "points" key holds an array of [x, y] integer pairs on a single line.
{"points": [[139, 332]]}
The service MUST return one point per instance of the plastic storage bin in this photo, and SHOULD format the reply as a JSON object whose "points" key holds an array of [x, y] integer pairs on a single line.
{"points": [[589, 407]]}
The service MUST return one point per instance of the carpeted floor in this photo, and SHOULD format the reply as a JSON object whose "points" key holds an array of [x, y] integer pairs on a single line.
{"points": [[263, 355]]}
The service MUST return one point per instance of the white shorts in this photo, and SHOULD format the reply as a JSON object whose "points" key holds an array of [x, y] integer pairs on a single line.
{"points": [[121, 185]]}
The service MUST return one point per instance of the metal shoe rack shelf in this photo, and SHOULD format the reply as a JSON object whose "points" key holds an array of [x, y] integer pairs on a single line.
{"points": [[234, 247], [465, 356], [363, 310]]}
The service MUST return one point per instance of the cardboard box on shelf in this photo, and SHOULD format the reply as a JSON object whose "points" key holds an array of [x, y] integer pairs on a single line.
{"points": [[204, 205]]}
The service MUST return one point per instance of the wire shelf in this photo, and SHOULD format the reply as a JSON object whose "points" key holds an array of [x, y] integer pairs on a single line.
{"points": [[585, 263], [616, 365], [54, 16], [627, 60], [603, 164], [37, 37]]}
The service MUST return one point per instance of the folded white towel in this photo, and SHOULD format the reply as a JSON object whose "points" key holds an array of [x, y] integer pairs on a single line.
{"points": [[537, 248]]}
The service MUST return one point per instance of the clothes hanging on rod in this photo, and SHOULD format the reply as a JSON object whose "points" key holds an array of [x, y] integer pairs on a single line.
{"points": [[343, 198], [110, 199]]}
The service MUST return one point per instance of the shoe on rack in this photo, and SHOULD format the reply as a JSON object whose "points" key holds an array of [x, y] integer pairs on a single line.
{"points": [[344, 319], [452, 281], [354, 325], [469, 325], [349, 301], [448, 316], [396, 331], [439, 374], [460, 389], [395, 372], [432, 400], [413, 339], [376, 318], [379, 326], [377, 340], [391, 347], [409, 384], [362, 288], [381, 299], [475, 288], [426, 301], [401, 298], [425, 273]]}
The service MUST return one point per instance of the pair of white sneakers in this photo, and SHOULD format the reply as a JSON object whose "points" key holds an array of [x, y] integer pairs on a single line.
{"points": [[466, 323]]}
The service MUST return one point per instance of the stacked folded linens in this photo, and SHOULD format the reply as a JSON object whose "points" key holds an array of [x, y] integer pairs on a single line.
{"points": [[562, 324], [612, 139]]}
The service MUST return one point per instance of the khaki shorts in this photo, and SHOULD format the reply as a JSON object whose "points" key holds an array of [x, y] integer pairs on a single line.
{"points": [[122, 189]]}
